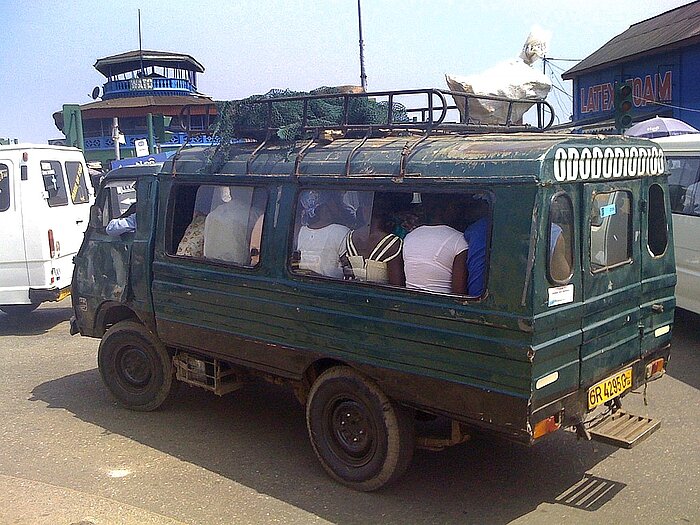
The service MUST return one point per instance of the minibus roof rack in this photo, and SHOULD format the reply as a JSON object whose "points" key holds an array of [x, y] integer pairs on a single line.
{"points": [[410, 110]]}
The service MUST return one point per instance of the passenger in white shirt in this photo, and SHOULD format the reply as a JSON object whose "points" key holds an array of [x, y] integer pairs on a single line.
{"points": [[435, 255], [320, 242]]}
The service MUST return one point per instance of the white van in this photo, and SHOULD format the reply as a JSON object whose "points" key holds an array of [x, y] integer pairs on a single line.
{"points": [[683, 161], [44, 209]]}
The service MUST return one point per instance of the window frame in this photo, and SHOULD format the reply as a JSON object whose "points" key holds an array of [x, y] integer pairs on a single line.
{"points": [[550, 253], [171, 247], [462, 192], [80, 175], [61, 196], [5, 187], [630, 242], [654, 227], [670, 158]]}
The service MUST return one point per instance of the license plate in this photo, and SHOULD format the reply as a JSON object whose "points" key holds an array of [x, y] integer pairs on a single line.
{"points": [[609, 388]]}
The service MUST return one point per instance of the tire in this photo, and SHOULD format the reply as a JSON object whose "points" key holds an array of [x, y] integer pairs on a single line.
{"points": [[135, 366], [17, 310], [362, 438]]}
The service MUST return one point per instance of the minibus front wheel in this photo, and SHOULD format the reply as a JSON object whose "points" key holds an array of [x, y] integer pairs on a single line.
{"points": [[362, 438], [135, 366]]}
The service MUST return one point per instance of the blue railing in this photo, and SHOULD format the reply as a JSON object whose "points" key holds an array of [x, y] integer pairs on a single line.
{"points": [[135, 87], [177, 140]]}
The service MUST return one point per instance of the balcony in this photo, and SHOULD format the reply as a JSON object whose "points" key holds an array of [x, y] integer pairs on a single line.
{"points": [[175, 141], [152, 86]]}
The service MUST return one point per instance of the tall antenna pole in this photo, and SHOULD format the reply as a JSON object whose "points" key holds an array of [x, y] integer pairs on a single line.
{"points": [[140, 49], [363, 76]]}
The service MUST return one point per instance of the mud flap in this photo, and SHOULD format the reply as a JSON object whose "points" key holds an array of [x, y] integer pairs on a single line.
{"points": [[623, 430]]}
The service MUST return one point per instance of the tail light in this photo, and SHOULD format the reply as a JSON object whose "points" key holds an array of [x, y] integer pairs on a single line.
{"points": [[655, 369], [546, 426], [52, 244]]}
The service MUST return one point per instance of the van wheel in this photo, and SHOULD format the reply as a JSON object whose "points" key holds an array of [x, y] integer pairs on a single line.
{"points": [[17, 310], [362, 438], [135, 366]]}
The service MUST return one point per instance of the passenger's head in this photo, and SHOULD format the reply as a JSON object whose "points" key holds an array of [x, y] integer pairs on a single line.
{"points": [[323, 207], [384, 209]]}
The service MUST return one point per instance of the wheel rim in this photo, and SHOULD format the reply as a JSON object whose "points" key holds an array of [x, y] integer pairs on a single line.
{"points": [[134, 367], [352, 434]]}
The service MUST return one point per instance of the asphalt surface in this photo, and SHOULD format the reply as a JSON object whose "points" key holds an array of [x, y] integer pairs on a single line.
{"points": [[70, 455]]}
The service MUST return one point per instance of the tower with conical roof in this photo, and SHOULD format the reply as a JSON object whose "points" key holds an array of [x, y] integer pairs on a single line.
{"points": [[139, 83]]}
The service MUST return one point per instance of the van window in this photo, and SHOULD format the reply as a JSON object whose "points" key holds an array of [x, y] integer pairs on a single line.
{"points": [[77, 182], [217, 223], [52, 173], [684, 184], [561, 234], [611, 227], [118, 196], [4, 187], [433, 242], [656, 221]]}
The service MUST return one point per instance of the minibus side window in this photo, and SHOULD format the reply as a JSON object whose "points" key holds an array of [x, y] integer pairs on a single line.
{"points": [[684, 184], [77, 182], [52, 173], [217, 223], [561, 235], [4, 187], [432, 242], [611, 226], [656, 221]]}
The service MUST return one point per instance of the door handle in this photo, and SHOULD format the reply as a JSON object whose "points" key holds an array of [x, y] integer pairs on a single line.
{"points": [[79, 221], [657, 308]]}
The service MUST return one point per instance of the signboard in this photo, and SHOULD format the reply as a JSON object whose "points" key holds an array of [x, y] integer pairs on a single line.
{"points": [[141, 146], [138, 161]]}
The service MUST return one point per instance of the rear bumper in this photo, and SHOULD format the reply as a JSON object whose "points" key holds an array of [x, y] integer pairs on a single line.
{"points": [[573, 407], [42, 295]]}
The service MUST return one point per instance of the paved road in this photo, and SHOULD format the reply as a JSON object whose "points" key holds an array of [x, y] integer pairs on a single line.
{"points": [[70, 455]]}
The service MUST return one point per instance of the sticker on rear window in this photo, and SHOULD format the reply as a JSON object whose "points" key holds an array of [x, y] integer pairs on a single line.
{"points": [[607, 211]]}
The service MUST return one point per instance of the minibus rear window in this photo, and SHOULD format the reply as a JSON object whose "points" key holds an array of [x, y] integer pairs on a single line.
{"points": [[221, 224], [52, 173], [657, 227], [561, 234], [4, 187], [77, 182], [431, 242], [611, 226]]}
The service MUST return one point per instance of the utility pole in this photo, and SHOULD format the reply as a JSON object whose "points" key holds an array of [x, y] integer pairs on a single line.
{"points": [[140, 48], [363, 76]]}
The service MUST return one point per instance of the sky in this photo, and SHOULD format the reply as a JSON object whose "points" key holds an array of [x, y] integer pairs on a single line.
{"points": [[48, 49]]}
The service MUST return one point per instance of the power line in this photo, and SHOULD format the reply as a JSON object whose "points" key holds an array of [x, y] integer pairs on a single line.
{"points": [[657, 103]]}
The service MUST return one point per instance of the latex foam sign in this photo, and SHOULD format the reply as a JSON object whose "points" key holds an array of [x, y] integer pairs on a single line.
{"points": [[571, 164]]}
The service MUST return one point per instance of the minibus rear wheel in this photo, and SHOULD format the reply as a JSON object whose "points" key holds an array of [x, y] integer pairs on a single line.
{"points": [[362, 438], [135, 366]]}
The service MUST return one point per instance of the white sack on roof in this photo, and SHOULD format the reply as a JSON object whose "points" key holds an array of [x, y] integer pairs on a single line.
{"points": [[515, 78]]}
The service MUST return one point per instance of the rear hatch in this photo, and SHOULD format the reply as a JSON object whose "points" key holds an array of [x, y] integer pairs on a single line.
{"points": [[628, 280]]}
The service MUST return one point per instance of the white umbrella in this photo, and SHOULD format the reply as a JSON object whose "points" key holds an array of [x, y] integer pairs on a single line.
{"points": [[660, 127]]}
